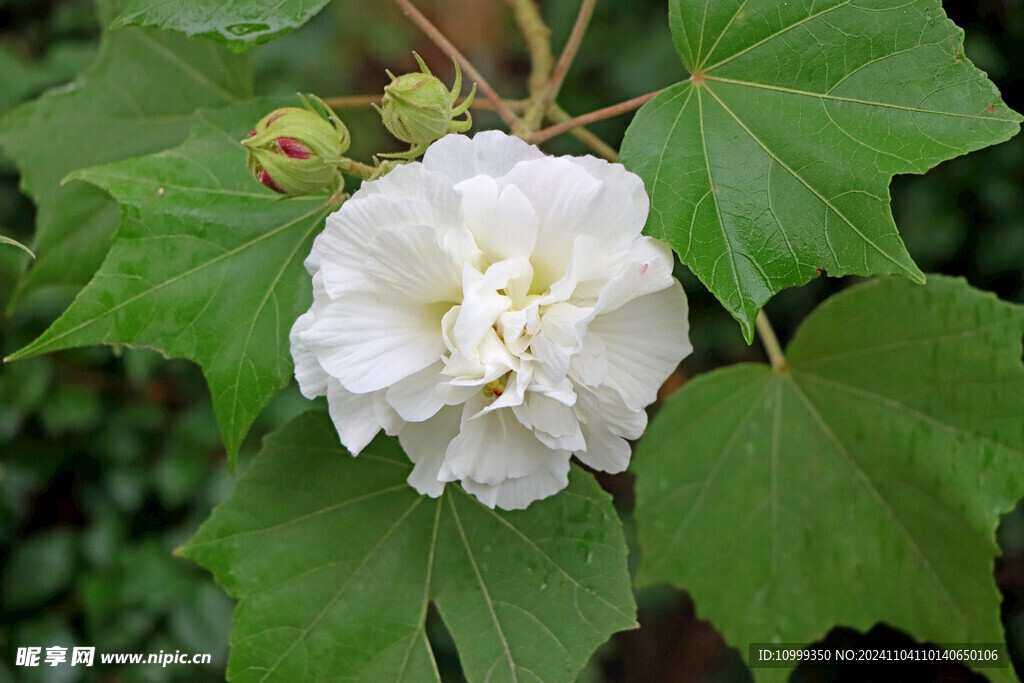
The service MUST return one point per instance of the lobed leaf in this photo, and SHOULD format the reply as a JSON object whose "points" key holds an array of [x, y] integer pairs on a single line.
{"points": [[773, 160], [862, 485], [206, 265], [136, 98], [335, 560], [240, 24]]}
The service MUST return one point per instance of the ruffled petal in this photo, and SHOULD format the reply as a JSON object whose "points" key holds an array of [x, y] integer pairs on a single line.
{"points": [[370, 343], [644, 343], [489, 153], [353, 416], [425, 443], [605, 452], [492, 446], [502, 220], [309, 372], [415, 398], [410, 261], [516, 494]]}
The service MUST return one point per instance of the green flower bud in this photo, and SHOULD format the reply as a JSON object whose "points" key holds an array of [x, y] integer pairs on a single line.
{"points": [[295, 150], [418, 109]]}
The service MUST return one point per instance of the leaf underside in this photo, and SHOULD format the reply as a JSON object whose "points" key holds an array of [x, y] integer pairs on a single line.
{"points": [[240, 24], [136, 98], [864, 485], [206, 265], [335, 559], [773, 161]]}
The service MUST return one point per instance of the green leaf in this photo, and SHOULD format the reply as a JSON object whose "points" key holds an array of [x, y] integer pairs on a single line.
{"points": [[862, 485], [238, 24], [206, 265], [136, 98], [335, 560], [773, 160]]}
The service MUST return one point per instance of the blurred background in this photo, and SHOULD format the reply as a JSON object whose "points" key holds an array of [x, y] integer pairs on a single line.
{"points": [[110, 458]]}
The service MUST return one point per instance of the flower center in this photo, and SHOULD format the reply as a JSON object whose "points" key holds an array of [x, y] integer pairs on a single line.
{"points": [[496, 388]]}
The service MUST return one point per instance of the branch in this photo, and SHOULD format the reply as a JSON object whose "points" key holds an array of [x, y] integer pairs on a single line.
{"points": [[599, 146], [599, 115], [572, 46], [439, 39], [356, 101]]}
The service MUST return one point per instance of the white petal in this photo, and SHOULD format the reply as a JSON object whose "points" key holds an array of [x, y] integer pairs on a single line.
{"points": [[605, 452], [353, 416], [489, 153], [517, 494], [647, 268], [604, 407], [341, 249], [481, 306], [415, 398], [644, 343], [553, 422], [492, 446], [309, 372], [503, 222], [410, 261], [425, 444], [561, 335], [625, 188], [370, 343]]}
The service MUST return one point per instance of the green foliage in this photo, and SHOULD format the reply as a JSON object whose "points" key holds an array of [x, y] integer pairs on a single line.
{"points": [[238, 24], [206, 265], [335, 561], [136, 98], [863, 484], [773, 160]]}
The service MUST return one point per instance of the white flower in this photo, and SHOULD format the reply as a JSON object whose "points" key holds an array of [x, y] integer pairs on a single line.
{"points": [[498, 310]]}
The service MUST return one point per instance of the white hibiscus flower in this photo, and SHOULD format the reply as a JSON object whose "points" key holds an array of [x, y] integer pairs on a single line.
{"points": [[498, 310]]}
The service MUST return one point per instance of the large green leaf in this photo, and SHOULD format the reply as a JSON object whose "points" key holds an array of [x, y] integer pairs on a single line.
{"points": [[239, 23], [335, 560], [136, 98], [206, 265], [773, 160], [862, 485]]}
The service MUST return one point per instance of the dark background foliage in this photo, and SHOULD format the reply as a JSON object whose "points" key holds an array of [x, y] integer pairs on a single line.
{"points": [[110, 458]]}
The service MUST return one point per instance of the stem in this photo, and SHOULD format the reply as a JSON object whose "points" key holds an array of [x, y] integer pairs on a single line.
{"points": [[771, 342], [538, 42], [446, 46], [599, 115], [356, 101], [602, 148], [572, 46], [355, 168]]}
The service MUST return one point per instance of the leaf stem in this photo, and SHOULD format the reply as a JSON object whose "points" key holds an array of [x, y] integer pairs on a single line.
{"points": [[599, 146], [446, 46], [771, 342], [599, 115]]}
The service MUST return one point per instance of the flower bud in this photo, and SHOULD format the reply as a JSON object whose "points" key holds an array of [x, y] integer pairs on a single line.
{"points": [[295, 150], [418, 109]]}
